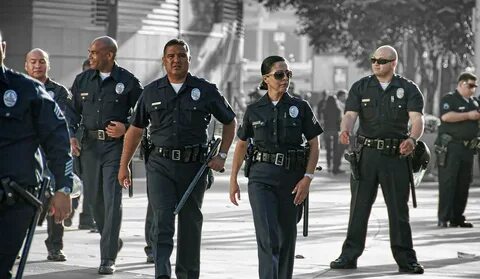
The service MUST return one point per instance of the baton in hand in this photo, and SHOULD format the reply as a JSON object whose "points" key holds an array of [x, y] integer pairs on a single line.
{"points": [[197, 177], [130, 189]]}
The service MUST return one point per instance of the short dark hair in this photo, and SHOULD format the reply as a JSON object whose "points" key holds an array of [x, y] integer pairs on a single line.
{"points": [[173, 42], [341, 92], [266, 67], [466, 76]]}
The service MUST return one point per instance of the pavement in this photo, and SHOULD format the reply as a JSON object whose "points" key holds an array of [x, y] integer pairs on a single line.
{"points": [[229, 246]]}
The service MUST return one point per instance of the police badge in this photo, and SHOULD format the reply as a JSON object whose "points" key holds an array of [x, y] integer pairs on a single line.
{"points": [[195, 94], [293, 111], [10, 98], [119, 88], [400, 93]]}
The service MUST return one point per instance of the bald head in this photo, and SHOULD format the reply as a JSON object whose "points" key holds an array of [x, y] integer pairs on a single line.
{"points": [[108, 43], [387, 51], [37, 64]]}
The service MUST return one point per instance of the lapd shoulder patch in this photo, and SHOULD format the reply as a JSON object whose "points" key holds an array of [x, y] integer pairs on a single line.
{"points": [[446, 106]]}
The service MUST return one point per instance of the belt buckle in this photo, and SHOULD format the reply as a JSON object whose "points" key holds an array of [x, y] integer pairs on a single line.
{"points": [[176, 155], [380, 144], [279, 158], [101, 134]]}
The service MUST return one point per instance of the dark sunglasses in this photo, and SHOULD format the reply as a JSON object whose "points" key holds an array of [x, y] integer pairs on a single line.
{"points": [[279, 75], [470, 85], [381, 61]]}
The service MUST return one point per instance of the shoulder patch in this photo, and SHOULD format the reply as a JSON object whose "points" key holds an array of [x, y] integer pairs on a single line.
{"points": [[446, 106]]}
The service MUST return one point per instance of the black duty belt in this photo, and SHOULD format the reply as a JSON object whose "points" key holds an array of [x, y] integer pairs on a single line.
{"points": [[189, 153], [389, 146], [292, 159], [470, 144], [9, 196], [100, 135]]}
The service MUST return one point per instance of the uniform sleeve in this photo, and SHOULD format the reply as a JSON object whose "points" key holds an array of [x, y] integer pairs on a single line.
{"points": [[73, 109], [135, 93], [220, 108], [445, 105], [353, 101], [311, 127], [245, 129], [140, 117], [415, 100], [53, 136]]}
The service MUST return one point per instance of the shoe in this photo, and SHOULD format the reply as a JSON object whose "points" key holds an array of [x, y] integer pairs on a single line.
{"points": [[414, 268], [56, 256], [106, 267], [150, 258], [120, 245], [343, 263], [442, 224], [87, 226], [461, 225]]}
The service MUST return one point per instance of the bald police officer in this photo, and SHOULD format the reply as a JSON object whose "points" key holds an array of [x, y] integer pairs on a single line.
{"points": [[29, 118], [103, 98], [384, 103], [37, 66], [179, 108]]}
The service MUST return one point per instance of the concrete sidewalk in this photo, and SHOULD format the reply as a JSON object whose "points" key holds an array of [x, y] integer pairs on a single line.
{"points": [[229, 247]]}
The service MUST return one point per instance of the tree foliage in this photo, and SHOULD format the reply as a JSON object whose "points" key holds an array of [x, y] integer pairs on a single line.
{"points": [[436, 35]]}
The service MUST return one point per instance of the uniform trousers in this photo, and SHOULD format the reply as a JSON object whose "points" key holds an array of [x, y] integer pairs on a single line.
{"points": [[167, 181], [454, 182], [54, 241], [14, 223], [392, 173], [275, 218], [100, 162]]}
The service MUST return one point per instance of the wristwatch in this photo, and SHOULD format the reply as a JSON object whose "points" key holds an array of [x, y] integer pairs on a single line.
{"points": [[65, 190], [310, 175], [223, 155]]}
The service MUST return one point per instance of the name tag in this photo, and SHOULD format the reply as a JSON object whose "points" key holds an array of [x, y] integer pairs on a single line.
{"points": [[365, 100], [156, 103], [85, 94]]}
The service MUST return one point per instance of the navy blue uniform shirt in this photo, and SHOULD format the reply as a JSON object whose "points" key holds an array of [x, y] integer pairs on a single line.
{"points": [[96, 102], [180, 119], [462, 130], [279, 128], [59, 93], [384, 113], [29, 118]]}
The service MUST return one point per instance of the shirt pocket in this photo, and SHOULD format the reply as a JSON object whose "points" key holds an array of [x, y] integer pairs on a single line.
{"points": [[292, 131], [399, 110], [13, 124], [368, 110], [195, 114], [158, 113], [260, 131]]}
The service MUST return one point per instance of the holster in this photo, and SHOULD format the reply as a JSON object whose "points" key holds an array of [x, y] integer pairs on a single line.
{"points": [[353, 157], [248, 158], [441, 148], [147, 146]]}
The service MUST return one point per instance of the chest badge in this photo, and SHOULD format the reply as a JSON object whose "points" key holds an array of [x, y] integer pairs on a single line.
{"points": [[10, 98], [446, 106], [400, 93], [195, 94], [293, 111], [51, 94], [119, 88]]}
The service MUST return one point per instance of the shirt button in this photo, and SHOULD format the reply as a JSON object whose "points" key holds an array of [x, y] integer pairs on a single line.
{"points": [[174, 134], [274, 133], [98, 111], [174, 121], [99, 100], [7, 114]]}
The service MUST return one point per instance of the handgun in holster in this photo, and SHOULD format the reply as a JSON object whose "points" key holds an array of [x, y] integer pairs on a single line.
{"points": [[147, 145], [353, 157], [248, 157], [441, 148]]}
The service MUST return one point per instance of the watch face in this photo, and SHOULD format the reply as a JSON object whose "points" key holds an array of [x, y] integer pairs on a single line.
{"points": [[223, 155]]}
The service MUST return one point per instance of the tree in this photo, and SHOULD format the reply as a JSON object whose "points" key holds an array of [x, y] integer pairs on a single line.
{"points": [[433, 37]]}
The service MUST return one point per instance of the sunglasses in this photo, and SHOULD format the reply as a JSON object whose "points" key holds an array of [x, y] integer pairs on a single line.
{"points": [[381, 61], [279, 75], [470, 85]]}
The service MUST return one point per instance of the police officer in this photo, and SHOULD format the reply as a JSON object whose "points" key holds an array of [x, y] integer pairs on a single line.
{"points": [[179, 107], [29, 118], [459, 124], [37, 65], [384, 103], [103, 97], [282, 170]]}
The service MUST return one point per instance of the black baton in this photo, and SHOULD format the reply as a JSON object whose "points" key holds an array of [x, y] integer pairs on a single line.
{"points": [[37, 202], [305, 216], [130, 189], [197, 177], [412, 183]]}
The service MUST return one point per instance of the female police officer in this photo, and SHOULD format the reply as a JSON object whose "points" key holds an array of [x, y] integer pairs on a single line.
{"points": [[281, 169]]}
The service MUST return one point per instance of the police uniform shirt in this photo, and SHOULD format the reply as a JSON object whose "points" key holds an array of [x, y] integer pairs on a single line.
{"points": [[59, 93], [279, 128], [97, 102], [180, 119], [384, 113], [462, 130], [29, 117]]}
